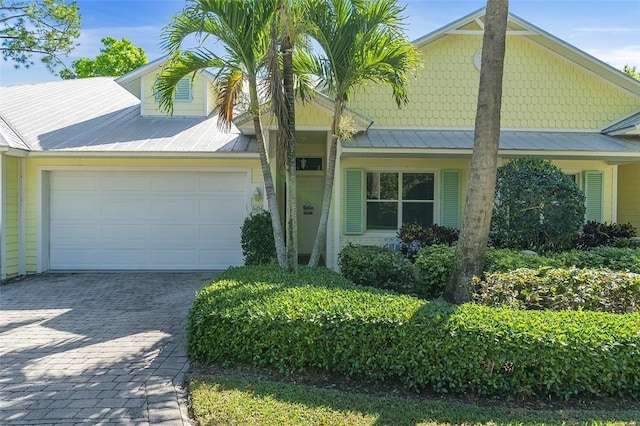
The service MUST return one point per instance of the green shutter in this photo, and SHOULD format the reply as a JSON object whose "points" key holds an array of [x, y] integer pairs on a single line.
{"points": [[594, 194], [354, 201], [450, 198], [183, 90]]}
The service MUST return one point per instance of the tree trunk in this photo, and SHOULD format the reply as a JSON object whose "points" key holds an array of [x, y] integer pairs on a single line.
{"points": [[472, 245], [321, 236], [269, 187]]}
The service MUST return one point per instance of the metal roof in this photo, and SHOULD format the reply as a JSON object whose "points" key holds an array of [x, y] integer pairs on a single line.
{"points": [[626, 126], [97, 114], [9, 137], [509, 140]]}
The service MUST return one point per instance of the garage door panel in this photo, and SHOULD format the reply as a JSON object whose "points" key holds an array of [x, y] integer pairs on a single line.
{"points": [[131, 181], [222, 182], [146, 220], [119, 209]]}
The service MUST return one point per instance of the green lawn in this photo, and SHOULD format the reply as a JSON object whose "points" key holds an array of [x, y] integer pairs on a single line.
{"points": [[233, 399]]}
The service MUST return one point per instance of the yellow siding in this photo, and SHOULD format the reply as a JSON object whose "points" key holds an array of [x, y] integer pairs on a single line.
{"points": [[33, 176], [629, 194], [541, 90], [194, 108], [12, 170]]}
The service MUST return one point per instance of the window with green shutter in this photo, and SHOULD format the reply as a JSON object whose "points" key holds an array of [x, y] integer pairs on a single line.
{"points": [[594, 195], [183, 90]]}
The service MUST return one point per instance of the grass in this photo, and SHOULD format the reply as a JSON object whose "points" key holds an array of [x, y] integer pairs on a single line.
{"points": [[235, 399]]}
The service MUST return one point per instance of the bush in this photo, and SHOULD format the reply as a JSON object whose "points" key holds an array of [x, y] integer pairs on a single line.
{"points": [[616, 259], [596, 234], [316, 321], [503, 260], [536, 207], [561, 289], [258, 244], [434, 266], [378, 267], [414, 236]]}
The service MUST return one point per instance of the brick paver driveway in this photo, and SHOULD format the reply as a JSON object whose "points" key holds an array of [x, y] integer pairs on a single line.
{"points": [[99, 348]]}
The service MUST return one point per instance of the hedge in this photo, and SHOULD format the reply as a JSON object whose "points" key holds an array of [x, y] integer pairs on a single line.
{"points": [[560, 289], [318, 321]]}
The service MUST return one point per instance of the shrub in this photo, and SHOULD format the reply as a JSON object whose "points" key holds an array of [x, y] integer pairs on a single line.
{"points": [[596, 234], [536, 207], [503, 260], [434, 266], [379, 267], [617, 259], [561, 289], [316, 321], [258, 244], [414, 236]]}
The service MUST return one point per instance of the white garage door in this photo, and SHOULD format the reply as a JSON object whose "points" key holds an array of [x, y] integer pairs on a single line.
{"points": [[110, 220]]}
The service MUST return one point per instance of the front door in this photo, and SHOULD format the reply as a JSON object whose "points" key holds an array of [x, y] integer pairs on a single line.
{"points": [[309, 204]]}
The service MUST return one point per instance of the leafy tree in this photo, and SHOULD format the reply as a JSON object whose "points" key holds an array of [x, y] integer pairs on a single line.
{"points": [[536, 206], [631, 71], [469, 259], [361, 41], [242, 28], [116, 58], [47, 28]]}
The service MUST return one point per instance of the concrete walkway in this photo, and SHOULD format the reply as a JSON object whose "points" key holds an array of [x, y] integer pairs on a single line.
{"points": [[98, 348]]}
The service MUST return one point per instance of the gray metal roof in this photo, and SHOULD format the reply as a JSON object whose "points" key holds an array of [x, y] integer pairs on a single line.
{"points": [[628, 124], [509, 140], [9, 137], [97, 114]]}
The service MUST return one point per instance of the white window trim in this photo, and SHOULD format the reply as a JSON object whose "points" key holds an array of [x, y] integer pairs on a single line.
{"points": [[435, 202]]}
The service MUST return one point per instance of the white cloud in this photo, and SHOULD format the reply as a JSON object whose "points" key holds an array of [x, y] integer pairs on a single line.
{"points": [[618, 57]]}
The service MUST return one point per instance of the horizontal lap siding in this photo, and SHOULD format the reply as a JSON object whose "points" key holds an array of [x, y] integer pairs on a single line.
{"points": [[629, 194], [12, 200]]}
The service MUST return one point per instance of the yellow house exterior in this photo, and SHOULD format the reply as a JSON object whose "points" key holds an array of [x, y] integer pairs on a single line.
{"points": [[96, 176]]}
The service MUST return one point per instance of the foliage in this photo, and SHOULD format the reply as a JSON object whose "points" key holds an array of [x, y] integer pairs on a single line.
{"points": [[317, 321], [116, 58], [596, 234], [614, 258], [258, 246], [414, 236], [434, 266], [379, 267], [536, 206], [240, 28], [47, 28], [631, 71], [561, 289], [360, 42], [238, 398]]}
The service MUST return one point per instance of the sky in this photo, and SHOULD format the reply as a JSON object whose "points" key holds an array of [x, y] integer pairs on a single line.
{"points": [[606, 29]]}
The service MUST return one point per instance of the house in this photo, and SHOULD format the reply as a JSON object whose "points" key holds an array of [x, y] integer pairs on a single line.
{"points": [[96, 177]]}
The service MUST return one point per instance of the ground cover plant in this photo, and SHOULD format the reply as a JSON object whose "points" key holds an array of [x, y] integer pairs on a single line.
{"points": [[318, 321], [246, 399]]}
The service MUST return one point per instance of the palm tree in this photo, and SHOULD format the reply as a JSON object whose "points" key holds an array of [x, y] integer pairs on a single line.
{"points": [[242, 29], [361, 41], [472, 245]]}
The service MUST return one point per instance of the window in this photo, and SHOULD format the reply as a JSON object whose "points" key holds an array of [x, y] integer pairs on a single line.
{"points": [[183, 91], [397, 198]]}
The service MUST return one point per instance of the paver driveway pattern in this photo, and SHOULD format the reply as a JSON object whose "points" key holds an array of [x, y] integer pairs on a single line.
{"points": [[98, 348]]}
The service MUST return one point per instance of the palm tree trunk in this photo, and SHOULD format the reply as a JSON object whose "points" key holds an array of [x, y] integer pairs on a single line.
{"points": [[290, 163], [472, 245], [269, 186], [321, 236]]}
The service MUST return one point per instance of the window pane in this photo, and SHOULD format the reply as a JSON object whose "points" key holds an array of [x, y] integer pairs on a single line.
{"points": [[417, 186], [382, 215], [417, 212], [382, 186]]}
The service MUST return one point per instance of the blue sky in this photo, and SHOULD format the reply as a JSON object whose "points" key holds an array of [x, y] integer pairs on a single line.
{"points": [[606, 29]]}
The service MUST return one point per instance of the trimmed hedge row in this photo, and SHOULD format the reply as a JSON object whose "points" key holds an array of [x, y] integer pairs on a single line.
{"points": [[560, 289], [318, 321]]}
